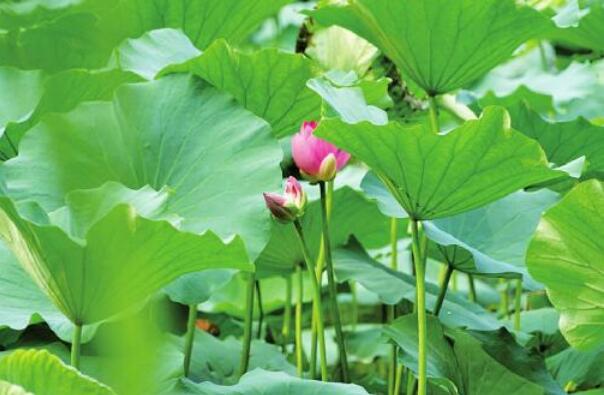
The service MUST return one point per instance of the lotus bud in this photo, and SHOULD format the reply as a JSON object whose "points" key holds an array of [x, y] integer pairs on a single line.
{"points": [[312, 155], [290, 205]]}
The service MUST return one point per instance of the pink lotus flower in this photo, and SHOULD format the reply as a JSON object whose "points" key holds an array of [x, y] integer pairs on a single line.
{"points": [[317, 159], [290, 205]]}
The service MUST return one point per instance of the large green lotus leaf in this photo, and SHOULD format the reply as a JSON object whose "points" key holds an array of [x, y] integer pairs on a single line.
{"points": [[218, 360], [153, 51], [353, 263], [21, 300], [176, 132], [98, 255], [585, 27], [564, 142], [85, 34], [567, 256], [434, 176], [441, 44], [270, 83], [352, 214], [496, 235], [203, 21], [583, 368], [262, 382], [42, 373], [474, 363], [60, 92]]}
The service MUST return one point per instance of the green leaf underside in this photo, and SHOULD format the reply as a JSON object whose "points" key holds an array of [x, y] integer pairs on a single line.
{"points": [[567, 255], [441, 44], [434, 176], [217, 360], [497, 235], [96, 259], [21, 299], [473, 363], [83, 36], [39, 94], [148, 54], [564, 142], [352, 263], [42, 373], [176, 133], [269, 83], [264, 382]]}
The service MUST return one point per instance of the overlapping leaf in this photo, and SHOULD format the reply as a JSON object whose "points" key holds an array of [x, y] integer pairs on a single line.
{"points": [[97, 256], [44, 374], [567, 255], [474, 363], [178, 133], [433, 176], [270, 83], [441, 44]]}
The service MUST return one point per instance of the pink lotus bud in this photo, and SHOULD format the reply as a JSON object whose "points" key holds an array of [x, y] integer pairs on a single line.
{"points": [[290, 205], [310, 152]]}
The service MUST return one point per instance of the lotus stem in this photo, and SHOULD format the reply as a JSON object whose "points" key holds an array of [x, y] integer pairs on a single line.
{"points": [[287, 314], [298, 324], [392, 377], [472, 285], [190, 338], [320, 266], [331, 283], [420, 278], [355, 305], [443, 290], [434, 115], [517, 304], [260, 310], [247, 326], [76, 344], [317, 299]]}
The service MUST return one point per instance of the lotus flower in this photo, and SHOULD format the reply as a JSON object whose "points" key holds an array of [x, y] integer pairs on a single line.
{"points": [[317, 159], [290, 205]]}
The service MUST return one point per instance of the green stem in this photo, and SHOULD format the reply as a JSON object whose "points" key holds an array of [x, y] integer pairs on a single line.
{"points": [[444, 286], [317, 298], [399, 379], [505, 301], [434, 115], [287, 314], [299, 302], [331, 283], [260, 310], [190, 337], [247, 327], [76, 345], [313, 343], [420, 277], [472, 285], [320, 266], [392, 377], [517, 304], [355, 305]]}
